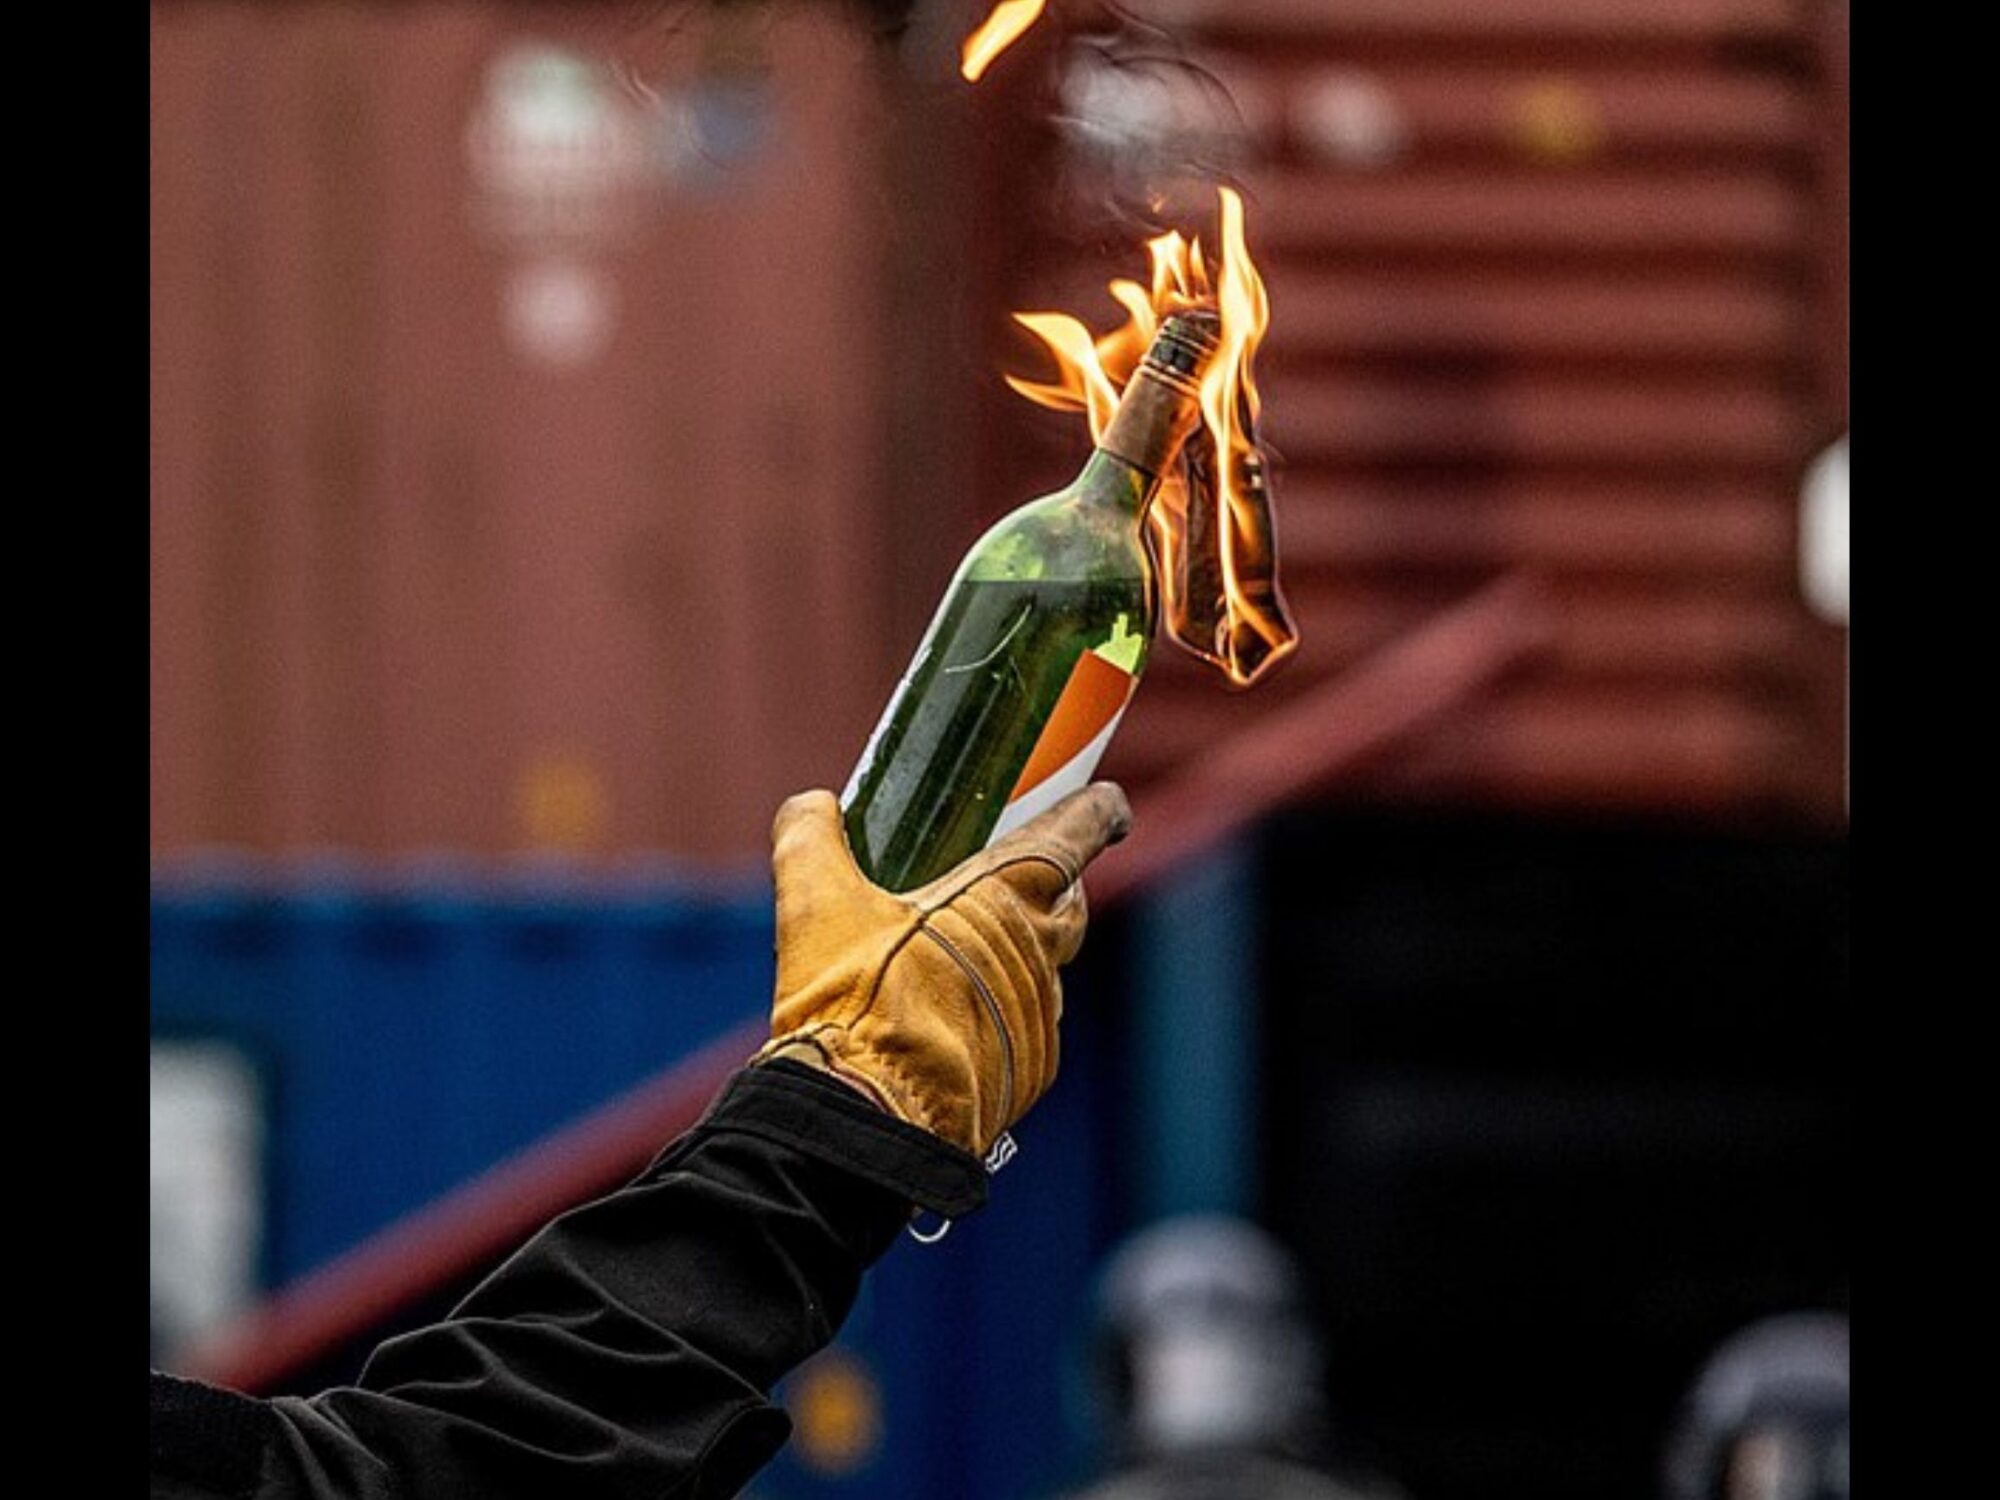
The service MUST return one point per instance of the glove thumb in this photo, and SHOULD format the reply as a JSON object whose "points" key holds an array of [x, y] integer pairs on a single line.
{"points": [[811, 864]]}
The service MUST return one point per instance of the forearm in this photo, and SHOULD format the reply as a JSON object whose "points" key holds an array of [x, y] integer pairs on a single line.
{"points": [[631, 1346]]}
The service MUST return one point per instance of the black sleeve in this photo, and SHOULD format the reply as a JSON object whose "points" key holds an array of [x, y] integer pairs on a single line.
{"points": [[630, 1347]]}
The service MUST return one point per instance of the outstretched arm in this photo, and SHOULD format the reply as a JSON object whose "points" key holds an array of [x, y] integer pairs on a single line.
{"points": [[630, 1347]]}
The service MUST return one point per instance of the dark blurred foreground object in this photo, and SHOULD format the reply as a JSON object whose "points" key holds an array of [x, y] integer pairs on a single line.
{"points": [[1550, 1109], [1767, 1418], [891, 15], [1210, 1372]]}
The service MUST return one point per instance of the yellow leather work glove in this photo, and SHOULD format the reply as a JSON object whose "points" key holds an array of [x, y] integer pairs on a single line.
{"points": [[940, 1004]]}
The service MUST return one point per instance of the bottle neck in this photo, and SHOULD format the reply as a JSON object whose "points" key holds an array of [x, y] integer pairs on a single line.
{"points": [[1154, 417], [1110, 481]]}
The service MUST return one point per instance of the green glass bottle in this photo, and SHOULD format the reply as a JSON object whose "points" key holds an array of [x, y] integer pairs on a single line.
{"points": [[1035, 651]]}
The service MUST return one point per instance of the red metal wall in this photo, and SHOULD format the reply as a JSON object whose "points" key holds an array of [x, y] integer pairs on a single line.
{"points": [[1554, 287], [415, 587]]}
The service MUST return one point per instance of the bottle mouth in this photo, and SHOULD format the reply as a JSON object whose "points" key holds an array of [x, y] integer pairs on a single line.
{"points": [[1186, 342]]}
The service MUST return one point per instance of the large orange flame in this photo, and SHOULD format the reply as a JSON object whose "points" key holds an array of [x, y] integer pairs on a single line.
{"points": [[1210, 525], [997, 33]]}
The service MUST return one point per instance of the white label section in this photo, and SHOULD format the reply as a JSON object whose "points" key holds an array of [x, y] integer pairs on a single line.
{"points": [[1071, 777]]}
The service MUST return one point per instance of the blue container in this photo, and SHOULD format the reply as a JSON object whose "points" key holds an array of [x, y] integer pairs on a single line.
{"points": [[409, 1039]]}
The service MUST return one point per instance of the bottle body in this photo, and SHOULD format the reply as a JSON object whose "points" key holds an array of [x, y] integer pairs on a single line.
{"points": [[1019, 682], [1037, 648]]}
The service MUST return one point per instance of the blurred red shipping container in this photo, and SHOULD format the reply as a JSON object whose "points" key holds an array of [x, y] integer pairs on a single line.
{"points": [[527, 509], [579, 486], [1557, 286]]}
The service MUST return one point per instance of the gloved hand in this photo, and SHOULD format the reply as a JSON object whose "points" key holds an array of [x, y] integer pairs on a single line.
{"points": [[940, 1004]]}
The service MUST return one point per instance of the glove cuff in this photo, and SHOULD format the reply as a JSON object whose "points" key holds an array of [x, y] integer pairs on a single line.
{"points": [[797, 1106]]}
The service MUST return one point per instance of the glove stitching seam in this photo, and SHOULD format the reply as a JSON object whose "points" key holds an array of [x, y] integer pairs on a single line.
{"points": [[843, 1014], [909, 1097], [999, 1024], [1061, 866], [846, 1018], [874, 1090], [911, 1100], [898, 1103], [833, 1054]]}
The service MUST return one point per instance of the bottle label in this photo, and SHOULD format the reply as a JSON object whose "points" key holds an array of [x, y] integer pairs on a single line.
{"points": [[1073, 741]]}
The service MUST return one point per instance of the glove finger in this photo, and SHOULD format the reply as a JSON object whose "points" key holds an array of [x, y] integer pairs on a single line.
{"points": [[1061, 842], [810, 860], [1065, 926]]}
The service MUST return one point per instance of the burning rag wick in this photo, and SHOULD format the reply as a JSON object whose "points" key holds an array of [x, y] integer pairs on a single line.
{"points": [[997, 33], [1211, 525]]}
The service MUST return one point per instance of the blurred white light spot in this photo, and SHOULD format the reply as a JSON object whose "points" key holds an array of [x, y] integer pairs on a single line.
{"points": [[560, 312], [1115, 109], [206, 1190], [1823, 534], [1198, 1388], [1352, 120], [557, 150], [1139, 118]]}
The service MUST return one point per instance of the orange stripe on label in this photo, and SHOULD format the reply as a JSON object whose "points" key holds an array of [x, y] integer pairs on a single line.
{"points": [[1094, 696]]}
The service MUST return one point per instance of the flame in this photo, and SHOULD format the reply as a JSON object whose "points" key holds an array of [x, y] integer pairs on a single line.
{"points": [[997, 33], [1210, 525]]}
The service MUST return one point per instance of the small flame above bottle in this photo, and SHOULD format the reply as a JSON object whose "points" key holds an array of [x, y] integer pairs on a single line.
{"points": [[997, 33]]}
